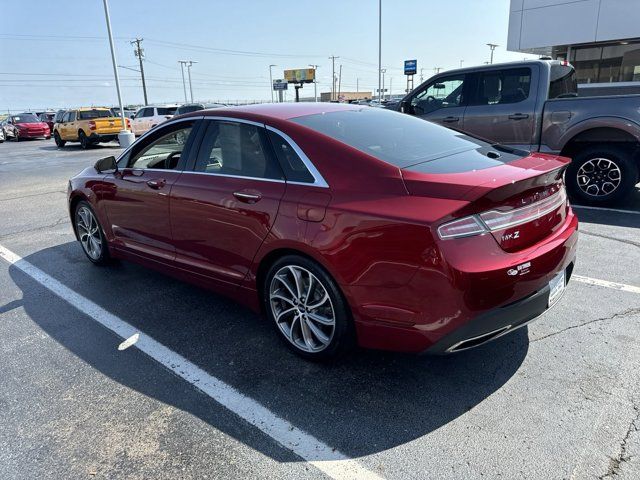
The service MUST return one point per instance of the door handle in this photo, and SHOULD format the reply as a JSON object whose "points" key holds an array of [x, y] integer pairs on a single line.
{"points": [[518, 116], [157, 183], [450, 119], [247, 197]]}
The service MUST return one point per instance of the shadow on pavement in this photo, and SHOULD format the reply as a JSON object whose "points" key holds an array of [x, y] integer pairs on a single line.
{"points": [[77, 147], [607, 217], [367, 403]]}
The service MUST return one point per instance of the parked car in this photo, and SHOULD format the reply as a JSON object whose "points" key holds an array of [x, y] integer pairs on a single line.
{"points": [[419, 239], [128, 113], [194, 107], [534, 105], [47, 117], [149, 117], [25, 125], [88, 125]]}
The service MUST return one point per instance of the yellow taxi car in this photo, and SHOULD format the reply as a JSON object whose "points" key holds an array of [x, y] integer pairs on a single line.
{"points": [[87, 125]]}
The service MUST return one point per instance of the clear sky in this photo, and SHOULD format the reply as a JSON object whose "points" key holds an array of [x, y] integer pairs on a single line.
{"points": [[55, 53]]}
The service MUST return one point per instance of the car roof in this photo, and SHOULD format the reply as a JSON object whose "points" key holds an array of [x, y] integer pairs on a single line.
{"points": [[281, 111]]}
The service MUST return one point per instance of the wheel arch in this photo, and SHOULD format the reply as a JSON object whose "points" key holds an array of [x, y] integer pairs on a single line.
{"points": [[600, 131]]}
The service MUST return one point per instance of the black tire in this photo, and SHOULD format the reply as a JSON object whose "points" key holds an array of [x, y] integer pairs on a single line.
{"points": [[595, 170], [16, 136], [84, 140], [343, 336], [104, 258], [59, 142]]}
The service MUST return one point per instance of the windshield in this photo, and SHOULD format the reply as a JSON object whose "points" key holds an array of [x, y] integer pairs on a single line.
{"points": [[167, 110], [89, 114], [25, 118], [396, 138]]}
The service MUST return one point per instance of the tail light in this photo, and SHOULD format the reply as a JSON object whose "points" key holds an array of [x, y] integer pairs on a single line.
{"points": [[128, 123], [92, 125], [494, 220]]}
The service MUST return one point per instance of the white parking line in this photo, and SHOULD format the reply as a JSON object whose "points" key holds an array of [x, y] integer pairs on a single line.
{"points": [[317, 453], [606, 209], [605, 283]]}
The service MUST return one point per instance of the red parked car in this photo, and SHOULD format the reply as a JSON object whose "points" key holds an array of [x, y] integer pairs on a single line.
{"points": [[343, 224], [25, 125]]}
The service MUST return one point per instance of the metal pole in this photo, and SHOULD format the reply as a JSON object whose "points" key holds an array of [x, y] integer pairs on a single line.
{"points": [[379, 51], [384, 70], [461, 62], [340, 83], [115, 64], [357, 84], [140, 53], [184, 85], [271, 81], [315, 82], [333, 76], [492, 46], [189, 73], [390, 87]]}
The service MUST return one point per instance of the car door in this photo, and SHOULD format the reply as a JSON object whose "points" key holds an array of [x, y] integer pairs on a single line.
{"points": [[64, 122], [502, 106], [137, 123], [224, 205], [441, 101], [136, 198]]}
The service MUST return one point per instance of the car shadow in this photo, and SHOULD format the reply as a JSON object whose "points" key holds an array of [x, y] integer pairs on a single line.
{"points": [[368, 402], [77, 147], [607, 217]]}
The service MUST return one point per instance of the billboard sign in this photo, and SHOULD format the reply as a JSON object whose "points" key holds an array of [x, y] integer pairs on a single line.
{"points": [[300, 75], [280, 85], [410, 67]]}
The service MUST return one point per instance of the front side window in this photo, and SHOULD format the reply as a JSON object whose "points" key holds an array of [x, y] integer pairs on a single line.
{"points": [[238, 149], [164, 150], [72, 116], [444, 93], [503, 87], [147, 112]]}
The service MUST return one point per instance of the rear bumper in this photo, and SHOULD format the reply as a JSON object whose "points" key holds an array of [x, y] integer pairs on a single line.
{"points": [[103, 137], [496, 323]]}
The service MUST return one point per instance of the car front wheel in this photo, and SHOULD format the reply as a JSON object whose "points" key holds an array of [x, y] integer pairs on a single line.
{"points": [[59, 142], [307, 308], [92, 239]]}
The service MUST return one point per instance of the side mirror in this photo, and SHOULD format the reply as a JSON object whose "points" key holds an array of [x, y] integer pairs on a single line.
{"points": [[106, 164]]}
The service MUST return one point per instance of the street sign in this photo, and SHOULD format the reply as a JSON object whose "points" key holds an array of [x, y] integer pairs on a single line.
{"points": [[280, 85], [300, 75], [410, 67], [382, 90]]}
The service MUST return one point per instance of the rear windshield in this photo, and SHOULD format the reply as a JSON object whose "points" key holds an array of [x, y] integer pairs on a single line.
{"points": [[396, 138], [562, 82], [25, 118], [167, 110], [89, 114]]}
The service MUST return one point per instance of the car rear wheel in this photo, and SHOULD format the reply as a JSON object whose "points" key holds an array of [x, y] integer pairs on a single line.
{"points": [[601, 175], [92, 239], [84, 140], [59, 142], [307, 308]]}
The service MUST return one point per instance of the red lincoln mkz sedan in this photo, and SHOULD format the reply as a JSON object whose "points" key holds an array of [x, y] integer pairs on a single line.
{"points": [[343, 224]]}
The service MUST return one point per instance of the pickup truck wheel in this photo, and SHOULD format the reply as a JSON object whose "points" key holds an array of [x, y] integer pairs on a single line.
{"points": [[84, 141], [601, 175], [59, 142]]}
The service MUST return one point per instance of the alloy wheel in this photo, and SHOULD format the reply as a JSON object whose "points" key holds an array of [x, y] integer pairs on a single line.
{"points": [[599, 176], [89, 232], [302, 308]]}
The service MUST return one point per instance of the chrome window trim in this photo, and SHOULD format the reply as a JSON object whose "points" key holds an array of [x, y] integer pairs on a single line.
{"points": [[257, 179], [319, 180]]}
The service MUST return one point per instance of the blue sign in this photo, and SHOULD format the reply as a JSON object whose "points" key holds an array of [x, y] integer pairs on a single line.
{"points": [[410, 67], [280, 85]]}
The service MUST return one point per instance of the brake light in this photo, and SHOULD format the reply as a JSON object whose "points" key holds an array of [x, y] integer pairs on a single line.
{"points": [[92, 125], [494, 220]]}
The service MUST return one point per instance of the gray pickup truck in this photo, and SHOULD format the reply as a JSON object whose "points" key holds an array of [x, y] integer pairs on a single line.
{"points": [[534, 105]]}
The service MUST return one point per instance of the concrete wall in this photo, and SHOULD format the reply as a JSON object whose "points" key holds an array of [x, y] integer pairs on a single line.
{"points": [[536, 25]]}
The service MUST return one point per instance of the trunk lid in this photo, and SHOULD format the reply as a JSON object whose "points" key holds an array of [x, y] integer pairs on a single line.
{"points": [[520, 201]]}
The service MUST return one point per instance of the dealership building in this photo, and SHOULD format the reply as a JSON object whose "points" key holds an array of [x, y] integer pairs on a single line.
{"points": [[601, 38]]}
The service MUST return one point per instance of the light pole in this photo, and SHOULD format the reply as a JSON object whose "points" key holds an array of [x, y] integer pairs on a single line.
{"points": [[315, 82], [271, 81], [189, 74], [125, 137], [383, 71], [184, 85], [380, 82], [492, 46]]}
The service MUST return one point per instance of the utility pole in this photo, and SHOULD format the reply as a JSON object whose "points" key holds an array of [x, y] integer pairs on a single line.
{"points": [[315, 82], [492, 46], [381, 96], [380, 76], [390, 87], [340, 83], [333, 76], [140, 54], [184, 85], [357, 84], [421, 75], [271, 81], [189, 63], [436, 70]]}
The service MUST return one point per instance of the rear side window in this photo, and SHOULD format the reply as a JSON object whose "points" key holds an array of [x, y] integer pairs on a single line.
{"points": [[501, 87], [166, 110], [236, 149], [188, 109], [294, 168], [562, 82]]}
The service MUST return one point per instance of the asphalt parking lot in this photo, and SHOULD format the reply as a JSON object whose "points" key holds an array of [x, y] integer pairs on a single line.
{"points": [[557, 399]]}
